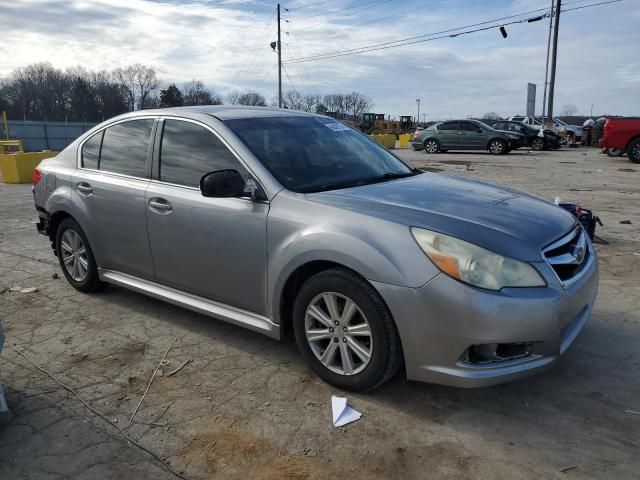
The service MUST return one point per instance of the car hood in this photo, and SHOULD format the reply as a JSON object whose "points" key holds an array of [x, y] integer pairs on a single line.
{"points": [[500, 219]]}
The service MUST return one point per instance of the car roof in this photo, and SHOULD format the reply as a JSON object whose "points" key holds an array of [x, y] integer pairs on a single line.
{"points": [[226, 112]]}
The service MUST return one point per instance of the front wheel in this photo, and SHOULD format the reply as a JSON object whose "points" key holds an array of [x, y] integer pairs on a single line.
{"points": [[537, 144], [633, 151], [76, 258], [345, 331], [497, 147], [431, 146]]}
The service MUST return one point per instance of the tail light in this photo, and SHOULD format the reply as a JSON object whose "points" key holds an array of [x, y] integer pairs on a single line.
{"points": [[37, 176]]}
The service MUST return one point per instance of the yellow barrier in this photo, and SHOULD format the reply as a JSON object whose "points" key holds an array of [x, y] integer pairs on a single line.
{"points": [[9, 146], [18, 167], [389, 141], [404, 140]]}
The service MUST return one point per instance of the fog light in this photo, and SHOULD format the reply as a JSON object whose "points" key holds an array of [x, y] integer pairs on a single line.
{"points": [[497, 352]]}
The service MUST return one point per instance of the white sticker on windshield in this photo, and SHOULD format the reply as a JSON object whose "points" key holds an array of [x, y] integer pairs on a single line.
{"points": [[336, 126]]}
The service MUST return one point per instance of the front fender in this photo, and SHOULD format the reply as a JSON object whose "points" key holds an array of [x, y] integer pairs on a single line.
{"points": [[376, 249]]}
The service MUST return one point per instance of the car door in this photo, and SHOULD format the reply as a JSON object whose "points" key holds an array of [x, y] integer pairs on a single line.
{"points": [[211, 247], [448, 135], [109, 188], [472, 137]]}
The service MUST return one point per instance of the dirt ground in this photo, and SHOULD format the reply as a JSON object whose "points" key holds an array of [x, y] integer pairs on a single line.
{"points": [[247, 407]]}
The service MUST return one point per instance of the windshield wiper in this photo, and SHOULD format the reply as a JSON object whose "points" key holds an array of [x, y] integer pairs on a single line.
{"points": [[358, 183]]}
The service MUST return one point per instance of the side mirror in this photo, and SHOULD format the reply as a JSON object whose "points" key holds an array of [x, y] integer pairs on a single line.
{"points": [[222, 183]]}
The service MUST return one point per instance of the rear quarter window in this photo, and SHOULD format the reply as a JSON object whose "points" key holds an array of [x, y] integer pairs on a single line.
{"points": [[91, 151]]}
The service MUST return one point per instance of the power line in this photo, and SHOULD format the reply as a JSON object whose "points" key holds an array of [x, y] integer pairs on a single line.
{"points": [[344, 9], [434, 33], [442, 34], [309, 5], [368, 6]]}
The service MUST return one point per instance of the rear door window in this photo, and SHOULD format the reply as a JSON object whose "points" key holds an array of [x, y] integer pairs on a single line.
{"points": [[189, 151], [448, 126], [469, 127], [125, 146], [91, 151]]}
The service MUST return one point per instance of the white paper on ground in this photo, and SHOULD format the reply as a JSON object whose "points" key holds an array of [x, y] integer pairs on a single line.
{"points": [[343, 413]]}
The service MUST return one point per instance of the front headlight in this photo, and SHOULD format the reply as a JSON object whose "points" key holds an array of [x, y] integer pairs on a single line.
{"points": [[475, 265]]}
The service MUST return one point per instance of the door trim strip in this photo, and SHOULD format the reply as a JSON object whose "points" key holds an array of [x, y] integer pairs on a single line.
{"points": [[221, 311]]}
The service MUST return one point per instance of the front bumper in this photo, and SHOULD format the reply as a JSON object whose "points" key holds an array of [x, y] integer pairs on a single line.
{"points": [[440, 321]]}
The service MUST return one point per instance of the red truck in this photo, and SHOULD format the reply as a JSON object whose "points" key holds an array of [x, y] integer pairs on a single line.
{"points": [[622, 134]]}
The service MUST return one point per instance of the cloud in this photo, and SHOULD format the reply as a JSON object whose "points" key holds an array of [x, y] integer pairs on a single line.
{"points": [[225, 43]]}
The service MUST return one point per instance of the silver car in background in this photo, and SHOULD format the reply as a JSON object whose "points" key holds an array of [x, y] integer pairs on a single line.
{"points": [[282, 221]]}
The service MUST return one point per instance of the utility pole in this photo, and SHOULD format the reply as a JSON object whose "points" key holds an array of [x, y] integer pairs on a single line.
{"points": [[554, 58], [279, 63], [546, 68], [418, 102]]}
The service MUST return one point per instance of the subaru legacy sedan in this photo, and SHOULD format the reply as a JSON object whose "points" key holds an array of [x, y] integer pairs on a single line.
{"points": [[280, 221], [466, 135]]}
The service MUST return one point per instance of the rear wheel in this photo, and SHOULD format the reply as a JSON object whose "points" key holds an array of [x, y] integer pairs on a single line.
{"points": [[345, 331], [76, 258], [497, 147], [431, 146], [633, 151], [537, 144]]}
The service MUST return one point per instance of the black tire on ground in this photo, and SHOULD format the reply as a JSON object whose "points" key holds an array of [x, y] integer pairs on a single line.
{"points": [[443, 151], [386, 356], [614, 152], [537, 144], [91, 282], [431, 145], [633, 151], [497, 147]]}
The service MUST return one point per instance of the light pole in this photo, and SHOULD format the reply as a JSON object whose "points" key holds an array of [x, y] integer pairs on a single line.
{"points": [[418, 117]]}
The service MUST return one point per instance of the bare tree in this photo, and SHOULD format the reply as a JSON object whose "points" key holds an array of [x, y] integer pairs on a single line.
{"points": [[249, 99], [141, 85], [195, 93], [569, 110], [293, 100], [356, 104], [491, 116]]}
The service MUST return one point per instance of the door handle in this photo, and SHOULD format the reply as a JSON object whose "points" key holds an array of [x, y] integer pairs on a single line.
{"points": [[160, 204], [84, 188]]}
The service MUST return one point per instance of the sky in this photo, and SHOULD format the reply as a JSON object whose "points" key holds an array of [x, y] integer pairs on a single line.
{"points": [[225, 43]]}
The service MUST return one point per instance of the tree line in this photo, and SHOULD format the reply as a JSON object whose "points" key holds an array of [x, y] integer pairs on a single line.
{"points": [[41, 91]]}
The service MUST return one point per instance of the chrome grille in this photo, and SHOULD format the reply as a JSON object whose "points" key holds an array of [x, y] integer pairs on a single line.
{"points": [[568, 255]]}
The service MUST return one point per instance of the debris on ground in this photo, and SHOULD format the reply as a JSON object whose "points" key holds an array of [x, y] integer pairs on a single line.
{"points": [[625, 222], [182, 365], [342, 412], [29, 290]]}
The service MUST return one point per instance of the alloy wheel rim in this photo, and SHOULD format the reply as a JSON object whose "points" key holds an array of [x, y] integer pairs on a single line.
{"points": [[338, 333], [74, 255], [636, 152], [431, 147], [496, 147], [537, 144]]}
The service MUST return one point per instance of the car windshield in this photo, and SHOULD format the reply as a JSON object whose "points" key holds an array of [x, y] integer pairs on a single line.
{"points": [[311, 154]]}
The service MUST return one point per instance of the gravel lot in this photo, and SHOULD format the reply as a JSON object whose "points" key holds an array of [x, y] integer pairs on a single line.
{"points": [[246, 406]]}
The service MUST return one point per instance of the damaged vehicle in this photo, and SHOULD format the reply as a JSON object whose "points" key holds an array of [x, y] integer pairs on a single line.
{"points": [[281, 221]]}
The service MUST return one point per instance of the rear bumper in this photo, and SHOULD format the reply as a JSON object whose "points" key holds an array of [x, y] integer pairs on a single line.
{"points": [[440, 321]]}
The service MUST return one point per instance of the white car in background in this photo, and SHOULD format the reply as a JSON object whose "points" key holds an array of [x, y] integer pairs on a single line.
{"points": [[559, 126]]}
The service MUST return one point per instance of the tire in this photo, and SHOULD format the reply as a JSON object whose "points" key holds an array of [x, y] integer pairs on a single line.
{"points": [[614, 152], [537, 144], [82, 271], [633, 151], [443, 151], [497, 147], [381, 349], [431, 145]]}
